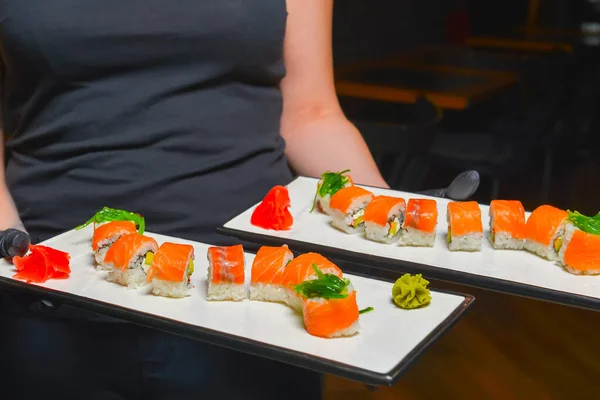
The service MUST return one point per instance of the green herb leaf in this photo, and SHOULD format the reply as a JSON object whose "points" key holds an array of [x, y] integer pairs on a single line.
{"points": [[585, 223], [327, 286], [319, 273], [331, 183], [366, 310], [108, 214]]}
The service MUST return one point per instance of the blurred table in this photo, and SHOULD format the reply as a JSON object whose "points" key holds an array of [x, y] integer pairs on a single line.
{"points": [[402, 79]]}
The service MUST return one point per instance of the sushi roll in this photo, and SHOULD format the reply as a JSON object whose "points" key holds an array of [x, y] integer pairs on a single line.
{"points": [[266, 282], [301, 269], [465, 229], [171, 270], [331, 318], [383, 219], [348, 208], [127, 258], [544, 230], [329, 184], [106, 234], [329, 307], [579, 253], [420, 223], [226, 273], [507, 222]]}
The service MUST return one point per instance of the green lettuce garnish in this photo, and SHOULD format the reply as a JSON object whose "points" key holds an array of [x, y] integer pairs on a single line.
{"points": [[331, 183], [366, 310], [585, 223], [327, 286], [108, 214]]}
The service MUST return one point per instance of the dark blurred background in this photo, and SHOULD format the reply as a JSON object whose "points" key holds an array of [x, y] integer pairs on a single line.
{"points": [[511, 89], [508, 88]]}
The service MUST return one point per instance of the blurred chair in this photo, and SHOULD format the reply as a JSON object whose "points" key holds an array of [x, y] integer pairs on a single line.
{"points": [[507, 147], [399, 137]]}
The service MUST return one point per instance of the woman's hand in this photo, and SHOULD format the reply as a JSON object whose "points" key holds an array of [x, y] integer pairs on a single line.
{"points": [[318, 135]]}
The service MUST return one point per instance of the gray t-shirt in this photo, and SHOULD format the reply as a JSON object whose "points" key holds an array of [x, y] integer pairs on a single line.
{"points": [[167, 108]]}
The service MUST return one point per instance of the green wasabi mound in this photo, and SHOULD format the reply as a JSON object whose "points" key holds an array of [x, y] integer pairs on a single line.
{"points": [[411, 292]]}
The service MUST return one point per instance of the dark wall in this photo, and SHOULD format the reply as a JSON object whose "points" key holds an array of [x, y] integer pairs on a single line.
{"points": [[366, 29]]}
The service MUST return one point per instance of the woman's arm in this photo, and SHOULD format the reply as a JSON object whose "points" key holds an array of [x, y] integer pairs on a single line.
{"points": [[318, 135], [9, 217]]}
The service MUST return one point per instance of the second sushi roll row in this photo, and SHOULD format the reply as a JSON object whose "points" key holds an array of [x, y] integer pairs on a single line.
{"points": [[570, 238]]}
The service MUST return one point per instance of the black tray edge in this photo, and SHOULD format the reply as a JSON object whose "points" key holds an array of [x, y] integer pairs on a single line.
{"points": [[242, 344]]}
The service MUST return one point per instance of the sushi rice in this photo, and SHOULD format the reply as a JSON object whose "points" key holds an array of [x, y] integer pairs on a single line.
{"points": [[174, 289], [415, 237]]}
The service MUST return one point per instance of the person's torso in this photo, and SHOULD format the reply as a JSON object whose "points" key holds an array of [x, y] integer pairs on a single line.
{"points": [[167, 108]]}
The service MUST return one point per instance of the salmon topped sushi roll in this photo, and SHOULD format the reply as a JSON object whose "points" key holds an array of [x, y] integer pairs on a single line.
{"points": [[348, 208], [579, 251], [268, 268], [507, 224], [171, 270], [420, 223], [331, 318], [329, 306], [383, 218], [126, 260], [226, 273], [106, 234], [465, 229], [329, 184], [301, 269], [544, 230]]}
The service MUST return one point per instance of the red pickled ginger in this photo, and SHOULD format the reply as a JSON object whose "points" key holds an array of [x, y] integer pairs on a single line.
{"points": [[42, 263], [273, 212]]}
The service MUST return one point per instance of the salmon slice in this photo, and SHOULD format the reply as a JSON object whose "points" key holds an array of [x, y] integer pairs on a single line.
{"points": [[543, 224], [345, 197], [266, 282], [173, 262], [507, 216], [422, 215], [227, 264], [124, 252], [331, 318], [111, 231], [507, 224], [379, 209], [580, 253], [226, 273], [269, 264], [465, 218], [106, 234]]}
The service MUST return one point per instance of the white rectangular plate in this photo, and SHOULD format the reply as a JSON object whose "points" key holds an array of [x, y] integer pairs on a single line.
{"points": [[510, 271], [389, 340]]}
